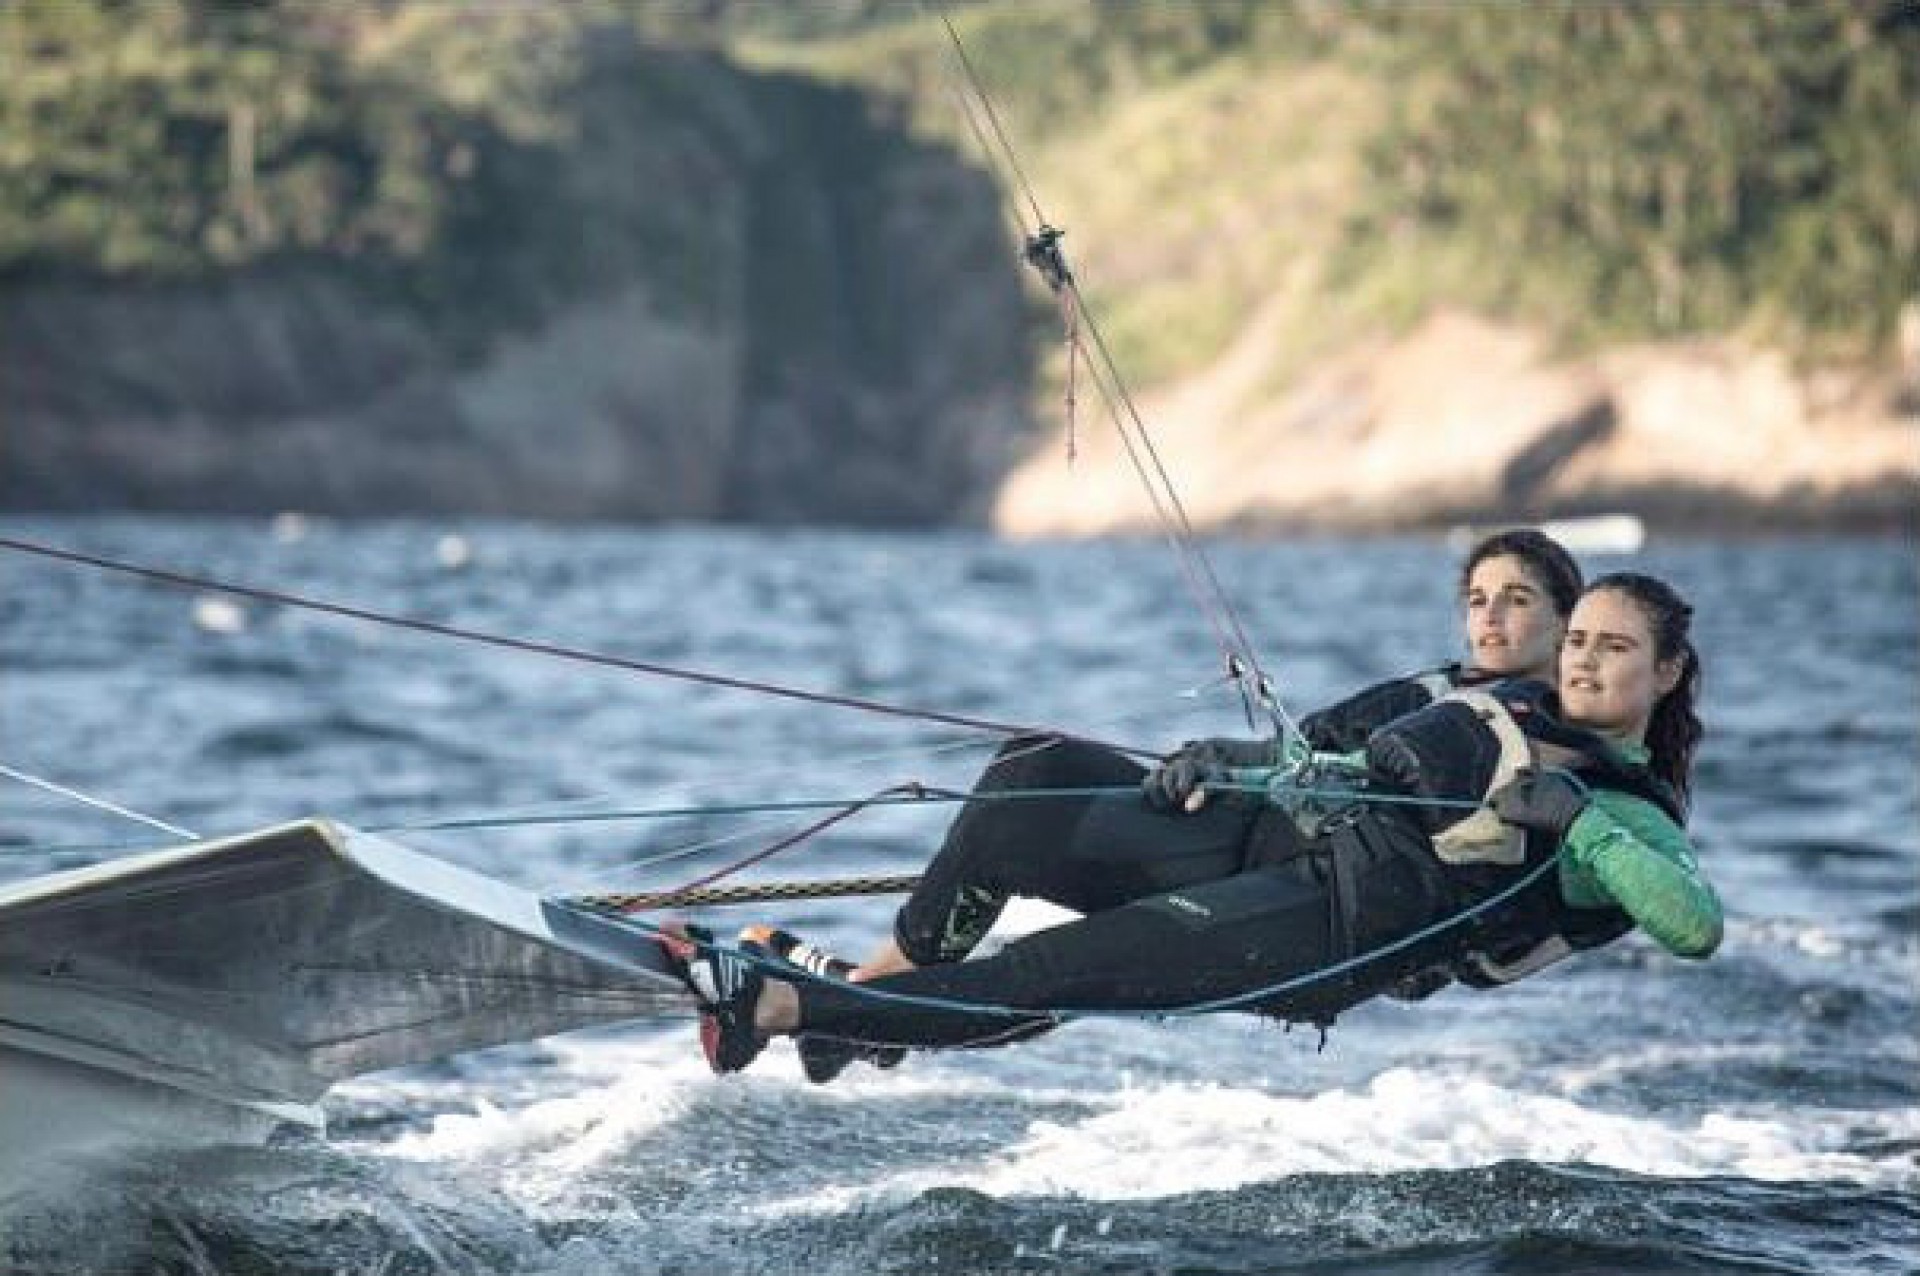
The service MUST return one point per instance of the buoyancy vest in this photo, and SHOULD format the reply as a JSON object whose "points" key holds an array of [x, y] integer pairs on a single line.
{"points": [[1466, 746]]}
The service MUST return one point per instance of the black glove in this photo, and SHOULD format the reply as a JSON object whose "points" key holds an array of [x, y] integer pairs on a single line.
{"points": [[1171, 785], [1544, 801]]}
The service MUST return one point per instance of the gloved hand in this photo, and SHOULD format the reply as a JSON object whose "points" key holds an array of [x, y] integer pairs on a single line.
{"points": [[1545, 801], [1176, 784]]}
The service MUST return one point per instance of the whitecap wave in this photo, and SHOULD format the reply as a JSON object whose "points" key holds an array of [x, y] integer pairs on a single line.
{"points": [[1188, 1138], [621, 1092]]}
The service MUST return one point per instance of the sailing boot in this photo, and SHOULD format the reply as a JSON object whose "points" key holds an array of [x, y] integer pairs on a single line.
{"points": [[728, 984]]}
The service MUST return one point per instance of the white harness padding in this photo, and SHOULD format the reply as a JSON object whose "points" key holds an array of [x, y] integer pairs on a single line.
{"points": [[1483, 837]]}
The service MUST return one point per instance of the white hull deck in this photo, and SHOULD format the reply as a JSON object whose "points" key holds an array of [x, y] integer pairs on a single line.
{"points": [[213, 992]]}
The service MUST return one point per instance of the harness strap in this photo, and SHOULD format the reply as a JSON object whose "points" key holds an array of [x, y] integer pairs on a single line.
{"points": [[1483, 837], [1344, 897]]}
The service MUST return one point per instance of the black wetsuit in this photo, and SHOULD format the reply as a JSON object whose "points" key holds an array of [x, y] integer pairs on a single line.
{"points": [[1234, 902], [1180, 908], [1092, 854], [1345, 726]]}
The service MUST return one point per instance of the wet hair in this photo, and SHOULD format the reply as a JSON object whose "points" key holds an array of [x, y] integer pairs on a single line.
{"points": [[1674, 730], [1546, 559]]}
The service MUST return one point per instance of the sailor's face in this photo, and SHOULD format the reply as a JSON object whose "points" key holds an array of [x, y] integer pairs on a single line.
{"points": [[1512, 627], [1610, 673]]}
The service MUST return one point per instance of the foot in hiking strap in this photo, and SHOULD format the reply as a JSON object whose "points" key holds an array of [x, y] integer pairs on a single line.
{"points": [[796, 952], [822, 1057], [728, 984]]}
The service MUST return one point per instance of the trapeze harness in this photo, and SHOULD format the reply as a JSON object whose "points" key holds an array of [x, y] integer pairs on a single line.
{"points": [[1471, 742]]}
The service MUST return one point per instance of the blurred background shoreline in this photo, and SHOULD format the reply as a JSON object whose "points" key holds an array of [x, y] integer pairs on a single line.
{"points": [[1367, 268]]}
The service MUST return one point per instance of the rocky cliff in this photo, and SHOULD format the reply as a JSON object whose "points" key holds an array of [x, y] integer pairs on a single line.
{"points": [[1463, 419], [721, 295], [520, 260]]}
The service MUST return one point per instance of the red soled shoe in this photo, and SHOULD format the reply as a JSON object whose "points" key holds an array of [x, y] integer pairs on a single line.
{"points": [[728, 984]]}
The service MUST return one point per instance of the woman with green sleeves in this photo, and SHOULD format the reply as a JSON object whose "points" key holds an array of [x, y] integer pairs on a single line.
{"points": [[1492, 832]]}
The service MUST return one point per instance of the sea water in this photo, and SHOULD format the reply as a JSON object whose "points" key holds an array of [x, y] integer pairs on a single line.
{"points": [[1623, 1112]]}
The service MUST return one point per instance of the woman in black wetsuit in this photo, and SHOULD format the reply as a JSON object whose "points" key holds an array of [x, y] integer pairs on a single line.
{"points": [[1574, 838], [1517, 589], [1272, 902]]}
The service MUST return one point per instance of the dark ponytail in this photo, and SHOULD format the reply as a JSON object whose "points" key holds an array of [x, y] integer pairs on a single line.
{"points": [[1546, 559], [1674, 730]]}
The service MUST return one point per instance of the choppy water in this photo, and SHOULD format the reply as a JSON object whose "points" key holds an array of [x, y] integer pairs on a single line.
{"points": [[1626, 1113]]}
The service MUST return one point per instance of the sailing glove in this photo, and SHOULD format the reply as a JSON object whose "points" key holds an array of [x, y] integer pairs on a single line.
{"points": [[1176, 784], [1544, 801]]}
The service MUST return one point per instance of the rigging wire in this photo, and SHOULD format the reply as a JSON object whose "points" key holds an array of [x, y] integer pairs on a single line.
{"points": [[98, 803], [980, 94], [1043, 252], [919, 796], [606, 808], [914, 794], [751, 778], [760, 892], [1042, 248], [554, 650]]}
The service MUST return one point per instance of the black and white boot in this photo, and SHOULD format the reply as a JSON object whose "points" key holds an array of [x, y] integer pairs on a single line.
{"points": [[728, 984]]}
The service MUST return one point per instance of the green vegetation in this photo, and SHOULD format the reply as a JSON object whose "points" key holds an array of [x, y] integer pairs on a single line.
{"points": [[168, 138], [430, 152], [1662, 168], [1612, 168]]}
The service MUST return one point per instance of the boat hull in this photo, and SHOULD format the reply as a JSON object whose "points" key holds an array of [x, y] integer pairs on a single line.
{"points": [[214, 991]]}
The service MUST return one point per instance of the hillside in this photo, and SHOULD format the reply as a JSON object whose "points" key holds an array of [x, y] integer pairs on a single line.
{"points": [[488, 259], [1363, 265], [1380, 266]]}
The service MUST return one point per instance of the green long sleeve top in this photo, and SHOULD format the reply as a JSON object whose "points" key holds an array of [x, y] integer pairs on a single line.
{"points": [[1624, 851]]}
